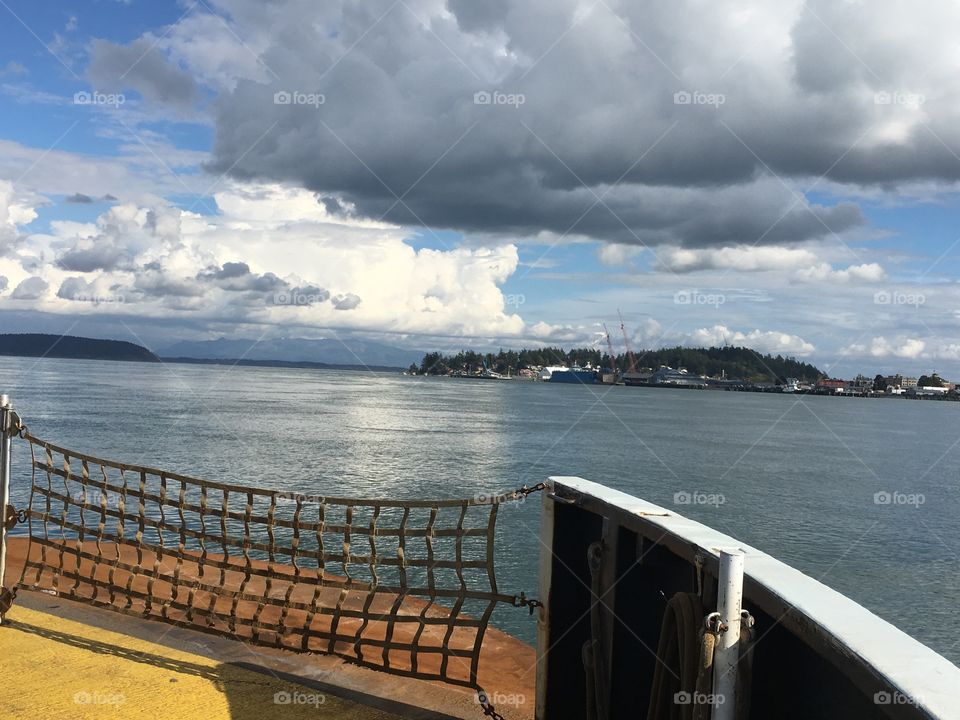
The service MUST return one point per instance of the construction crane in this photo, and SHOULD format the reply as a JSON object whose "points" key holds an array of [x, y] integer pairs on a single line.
{"points": [[631, 361], [613, 358]]}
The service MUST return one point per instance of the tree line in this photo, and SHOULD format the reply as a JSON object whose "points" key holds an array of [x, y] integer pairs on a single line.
{"points": [[735, 362]]}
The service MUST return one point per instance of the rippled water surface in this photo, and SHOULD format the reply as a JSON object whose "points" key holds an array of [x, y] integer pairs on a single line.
{"points": [[796, 477]]}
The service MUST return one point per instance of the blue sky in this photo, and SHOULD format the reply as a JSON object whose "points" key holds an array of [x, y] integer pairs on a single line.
{"points": [[829, 233]]}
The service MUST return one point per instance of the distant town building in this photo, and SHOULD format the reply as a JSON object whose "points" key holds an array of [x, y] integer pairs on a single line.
{"points": [[830, 386], [907, 383]]}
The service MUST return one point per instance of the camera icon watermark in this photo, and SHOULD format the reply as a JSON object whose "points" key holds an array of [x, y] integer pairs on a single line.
{"points": [[685, 97], [296, 97], [897, 498], [895, 297], [114, 100], [497, 97], [696, 297], [699, 498]]}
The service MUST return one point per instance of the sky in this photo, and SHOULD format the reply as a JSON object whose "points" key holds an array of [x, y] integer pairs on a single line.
{"points": [[438, 174]]}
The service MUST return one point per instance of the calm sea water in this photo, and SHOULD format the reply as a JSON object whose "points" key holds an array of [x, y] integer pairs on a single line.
{"points": [[796, 477]]}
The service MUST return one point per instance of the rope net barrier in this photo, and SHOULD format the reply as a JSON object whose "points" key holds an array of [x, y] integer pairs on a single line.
{"points": [[407, 587]]}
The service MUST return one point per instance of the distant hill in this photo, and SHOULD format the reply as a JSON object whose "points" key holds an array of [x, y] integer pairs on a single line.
{"points": [[70, 346], [327, 351]]}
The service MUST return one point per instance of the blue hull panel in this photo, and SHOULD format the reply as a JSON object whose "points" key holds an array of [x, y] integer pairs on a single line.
{"points": [[578, 377]]}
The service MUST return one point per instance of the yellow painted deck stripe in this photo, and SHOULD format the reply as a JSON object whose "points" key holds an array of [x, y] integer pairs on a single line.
{"points": [[56, 668]]}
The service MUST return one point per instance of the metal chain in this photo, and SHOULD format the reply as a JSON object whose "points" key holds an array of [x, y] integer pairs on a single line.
{"points": [[524, 491], [523, 601], [487, 706]]}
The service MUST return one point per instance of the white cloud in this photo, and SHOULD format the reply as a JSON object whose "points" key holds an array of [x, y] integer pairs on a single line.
{"points": [[773, 342], [617, 254], [743, 258], [881, 347], [163, 261], [14, 211], [867, 272]]}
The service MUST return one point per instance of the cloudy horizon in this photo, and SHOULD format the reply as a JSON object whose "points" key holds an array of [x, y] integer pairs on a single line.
{"points": [[438, 174]]}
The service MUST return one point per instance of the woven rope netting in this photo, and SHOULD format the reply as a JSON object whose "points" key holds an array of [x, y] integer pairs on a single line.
{"points": [[402, 586]]}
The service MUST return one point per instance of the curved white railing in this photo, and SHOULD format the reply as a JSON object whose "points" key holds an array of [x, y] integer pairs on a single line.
{"points": [[859, 642]]}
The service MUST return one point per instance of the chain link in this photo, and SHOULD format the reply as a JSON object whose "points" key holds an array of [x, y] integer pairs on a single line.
{"points": [[523, 601], [524, 491], [487, 706]]}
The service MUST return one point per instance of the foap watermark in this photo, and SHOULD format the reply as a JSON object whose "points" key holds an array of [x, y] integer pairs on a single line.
{"points": [[685, 97], [296, 97], [98, 98], [492, 497], [498, 97], [696, 297], [897, 97], [898, 498], [698, 698], [699, 498], [299, 299], [100, 498], [893, 698], [95, 697], [300, 498], [299, 698], [895, 297], [96, 299], [501, 699], [514, 299]]}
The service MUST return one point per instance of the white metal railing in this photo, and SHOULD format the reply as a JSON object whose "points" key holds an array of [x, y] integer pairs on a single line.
{"points": [[868, 662]]}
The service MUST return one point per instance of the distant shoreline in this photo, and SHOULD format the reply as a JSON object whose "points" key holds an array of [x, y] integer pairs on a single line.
{"points": [[300, 364], [306, 365]]}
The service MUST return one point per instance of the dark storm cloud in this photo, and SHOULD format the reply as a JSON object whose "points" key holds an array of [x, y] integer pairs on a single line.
{"points": [[643, 122], [232, 270], [140, 66], [331, 205], [99, 256], [475, 16], [236, 276]]}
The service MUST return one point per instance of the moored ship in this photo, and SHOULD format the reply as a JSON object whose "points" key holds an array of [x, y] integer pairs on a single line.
{"points": [[583, 376]]}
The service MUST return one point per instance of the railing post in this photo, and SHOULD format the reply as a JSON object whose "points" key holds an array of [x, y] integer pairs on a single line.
{"points": [[727, 653], [5, 433], [543, 612]]}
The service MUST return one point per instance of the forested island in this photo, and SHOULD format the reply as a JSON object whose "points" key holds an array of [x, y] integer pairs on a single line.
{"points": [[731, 362], [70, 346]]}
